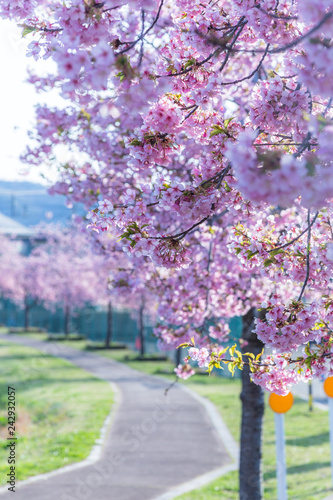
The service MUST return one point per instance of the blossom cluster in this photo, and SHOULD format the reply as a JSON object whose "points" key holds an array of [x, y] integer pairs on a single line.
{"points": [[276, 376], [187, 131], [287, 327], [278, 107], [276, 178]]}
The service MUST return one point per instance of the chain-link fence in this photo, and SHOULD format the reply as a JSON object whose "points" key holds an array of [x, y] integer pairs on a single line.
{"points": [[91, 322]]}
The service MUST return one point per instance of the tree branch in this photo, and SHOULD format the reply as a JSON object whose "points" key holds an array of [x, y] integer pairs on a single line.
{"points": [[297, 237], [307, 259], [142, 36], [233, 43], [253, 72], [181, 235]]}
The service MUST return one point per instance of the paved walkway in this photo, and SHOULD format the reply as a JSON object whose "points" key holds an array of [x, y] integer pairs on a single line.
{"points": [[155, 442]]}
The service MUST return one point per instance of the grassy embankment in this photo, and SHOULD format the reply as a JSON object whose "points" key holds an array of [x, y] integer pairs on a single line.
{"points": [[60, 410]]}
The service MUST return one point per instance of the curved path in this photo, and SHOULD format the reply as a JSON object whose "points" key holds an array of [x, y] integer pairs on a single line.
{"points": [[155, 442]]}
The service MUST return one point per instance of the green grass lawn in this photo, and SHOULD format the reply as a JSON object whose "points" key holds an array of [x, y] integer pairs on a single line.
{"points": [[126, 356], [307, 446], [307, 435], [60, 410]]}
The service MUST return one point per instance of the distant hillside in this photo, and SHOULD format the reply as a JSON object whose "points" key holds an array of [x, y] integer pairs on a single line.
{"points": [[30, 203]]}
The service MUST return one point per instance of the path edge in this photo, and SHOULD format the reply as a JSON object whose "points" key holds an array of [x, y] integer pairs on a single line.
{"points": [[227, 440], [96, 451]]}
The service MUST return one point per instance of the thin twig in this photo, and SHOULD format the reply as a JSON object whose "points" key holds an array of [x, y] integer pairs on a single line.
{"points": [[305, 145], [142, 36], [328, 106], [232, 44], [208, 269], [190, 68], [113, 8], [253, 72], [224, 173], [217, 176], [282, 144], [329, 223], [170, 387], [283, 47], [50, 30], [142, 30], [301, 38], [181, 235], [190, 113], [307, 259], [275, 16], [297, 237]]}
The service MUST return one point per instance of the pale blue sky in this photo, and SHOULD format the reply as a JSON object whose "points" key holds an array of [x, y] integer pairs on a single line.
{"points": [[17, 102]]}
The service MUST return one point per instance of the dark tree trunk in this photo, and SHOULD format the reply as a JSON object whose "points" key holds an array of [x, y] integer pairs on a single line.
{"points": [[28, 305], [109, 326], [252, 397], [178, 356], [67, 319], [26, 316], [141, 331]]}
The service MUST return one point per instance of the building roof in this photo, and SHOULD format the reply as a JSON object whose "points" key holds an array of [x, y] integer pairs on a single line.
{"points": [[10, 227]]}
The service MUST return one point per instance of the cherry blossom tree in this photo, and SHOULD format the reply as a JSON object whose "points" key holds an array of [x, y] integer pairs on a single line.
{"points": [[70, 269], [201, 134], [60, 270], [10, 268], [134, 288], [33, 279], [24, 278]]}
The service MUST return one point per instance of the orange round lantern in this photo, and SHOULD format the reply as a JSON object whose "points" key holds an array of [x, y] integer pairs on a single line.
{"points": [[328, 387], [281, 404]]}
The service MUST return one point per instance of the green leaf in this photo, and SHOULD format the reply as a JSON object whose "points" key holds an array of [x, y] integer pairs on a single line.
{"points": [[238, 354], [185, 344], [269, 262], [136, 142], [213, 364], [216, 130], [251, 254], [227, 121], [231, 368], [276, 252], [84, 114], [223, 351], [27, 29], [210, 368], [259, 355], [308, 362], [232, 350], [189, 63], [227, 187], [121, 76]]}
